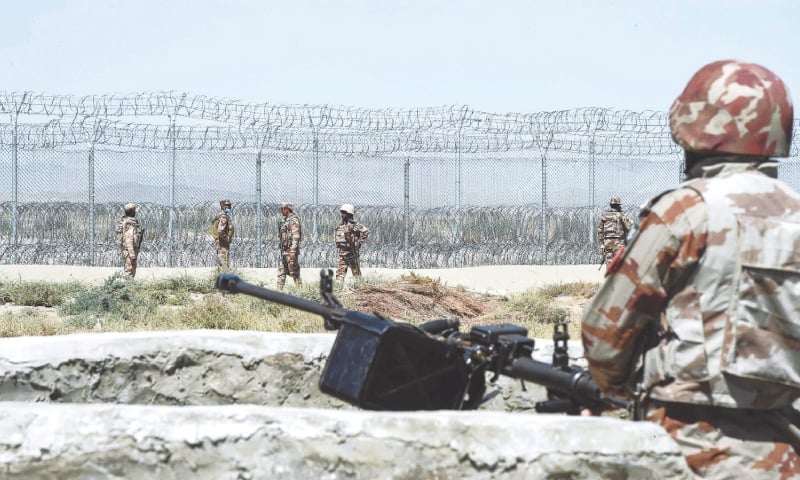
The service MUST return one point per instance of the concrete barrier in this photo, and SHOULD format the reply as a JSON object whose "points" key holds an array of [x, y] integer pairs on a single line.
{"points": [[228, 404], [106, 441]]}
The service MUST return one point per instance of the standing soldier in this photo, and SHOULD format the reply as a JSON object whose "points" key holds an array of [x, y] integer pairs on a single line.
{"points": [[222, 231], [698, 319], [612, 230], [129, 239], [290, 233], [349, 235]]}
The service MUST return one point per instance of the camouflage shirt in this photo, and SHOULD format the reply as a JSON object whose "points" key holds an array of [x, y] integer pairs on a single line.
{"points": [[724, 290], [290, 233], [613, 224], [129, 235], [349, 235]]}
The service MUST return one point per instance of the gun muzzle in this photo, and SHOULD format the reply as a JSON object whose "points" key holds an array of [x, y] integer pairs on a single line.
{"points": [[227, 283]]}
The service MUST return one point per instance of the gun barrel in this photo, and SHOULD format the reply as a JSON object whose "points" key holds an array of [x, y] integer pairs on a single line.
{"points": [[577, 384], [229, 283]]}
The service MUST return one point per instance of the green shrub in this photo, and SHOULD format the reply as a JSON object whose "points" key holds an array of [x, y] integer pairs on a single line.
{"points": [[116, 298], [182, 284], [84, 322], [38, 294]]}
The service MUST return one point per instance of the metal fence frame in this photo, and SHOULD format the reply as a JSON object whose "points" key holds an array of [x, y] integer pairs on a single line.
{"points": [[179, 126]]}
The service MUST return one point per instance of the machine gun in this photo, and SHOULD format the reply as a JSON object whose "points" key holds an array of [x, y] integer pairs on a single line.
{"points": [[379, 364]]}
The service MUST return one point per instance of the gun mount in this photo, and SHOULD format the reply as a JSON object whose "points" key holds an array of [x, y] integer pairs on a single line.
{"points": [[379, 364]]}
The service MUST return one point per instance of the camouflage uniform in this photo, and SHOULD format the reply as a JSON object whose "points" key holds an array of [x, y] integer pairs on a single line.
{"points": [[289, 235], [348, 236], [129, 238], [612, 230], [222, 231], [698, 317]]}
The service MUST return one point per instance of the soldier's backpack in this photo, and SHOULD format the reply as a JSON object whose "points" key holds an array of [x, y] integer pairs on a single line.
{"points": [[214, 229], [214, 226], [120, 231]]}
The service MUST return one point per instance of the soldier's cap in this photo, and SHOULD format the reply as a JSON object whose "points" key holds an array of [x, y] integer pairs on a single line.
{"points": [[225, 202], [130, 206], [287, 205]]}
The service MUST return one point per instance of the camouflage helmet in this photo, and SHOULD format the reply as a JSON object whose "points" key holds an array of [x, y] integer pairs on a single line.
{"points": [[347, 208], [733, 107], [614, 201], [224, 203]]}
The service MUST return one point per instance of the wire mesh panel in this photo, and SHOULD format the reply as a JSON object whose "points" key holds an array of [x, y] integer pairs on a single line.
{"points": [[52, 219], [438, 187]]}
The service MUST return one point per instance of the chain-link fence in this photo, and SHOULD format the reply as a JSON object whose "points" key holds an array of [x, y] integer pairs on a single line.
{"points": [[438, 187]]}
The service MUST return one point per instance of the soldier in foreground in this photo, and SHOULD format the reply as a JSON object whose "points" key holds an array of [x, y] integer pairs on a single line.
{"points": [[222, 231], [348, 236], [612, 230], [129, 238], [697, 320], [289, 235]]}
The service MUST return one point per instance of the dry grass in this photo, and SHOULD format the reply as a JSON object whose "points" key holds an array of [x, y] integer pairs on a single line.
{"points": [[584, 290], [188, 303], [417, 299], [28, 322]]}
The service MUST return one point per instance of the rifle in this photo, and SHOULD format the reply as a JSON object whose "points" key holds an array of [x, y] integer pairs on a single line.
{"points": [[379, 364]]}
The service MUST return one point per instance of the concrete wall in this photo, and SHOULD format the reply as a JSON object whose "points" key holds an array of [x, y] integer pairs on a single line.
{"points": [[224, 404]]}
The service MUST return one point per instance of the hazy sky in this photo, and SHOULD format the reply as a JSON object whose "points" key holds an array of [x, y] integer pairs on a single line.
{"points": [[498, 56]]}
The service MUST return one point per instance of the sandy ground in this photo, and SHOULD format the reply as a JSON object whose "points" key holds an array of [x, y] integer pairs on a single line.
{"points": [[497, 280]]}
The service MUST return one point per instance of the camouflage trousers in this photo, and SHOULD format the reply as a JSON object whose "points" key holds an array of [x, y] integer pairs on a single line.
{"points": [[731, 443], [290, 267], [610, 248], [223, 255], [347, 259], [128, 265]]}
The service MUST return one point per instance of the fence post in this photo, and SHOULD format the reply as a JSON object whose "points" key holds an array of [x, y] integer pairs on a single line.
{"points": [[315, 154], [173, 160], [14, 188], [543, 226], [265, 137], [259, 220], [406, 209], [458, 233], [592, 204], [92, 219]]}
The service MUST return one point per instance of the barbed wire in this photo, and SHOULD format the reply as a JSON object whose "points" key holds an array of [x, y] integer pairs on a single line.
{"points": [[57, 233], [56, 134], [234, 112], [223, 124]]}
